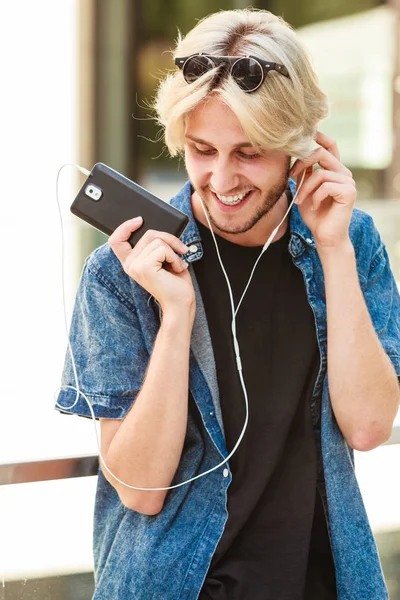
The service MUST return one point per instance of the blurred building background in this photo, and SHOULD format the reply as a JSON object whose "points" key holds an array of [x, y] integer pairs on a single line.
{"points": [[79, 76]]}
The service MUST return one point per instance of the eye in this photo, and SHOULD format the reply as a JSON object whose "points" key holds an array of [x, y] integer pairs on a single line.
{"points": [[203, 152], [249, 156]]}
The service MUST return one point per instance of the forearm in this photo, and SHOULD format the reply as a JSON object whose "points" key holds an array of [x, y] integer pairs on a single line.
{"points": [[363, 385], [146, 450]]}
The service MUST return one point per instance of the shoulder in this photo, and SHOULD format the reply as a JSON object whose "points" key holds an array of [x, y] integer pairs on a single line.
{"points": [[367, 242], [364, 234], [106, 269], [361, 227], [102, 261]]}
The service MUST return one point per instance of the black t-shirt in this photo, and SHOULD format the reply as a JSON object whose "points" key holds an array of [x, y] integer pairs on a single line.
{"points": [[275, 544]]}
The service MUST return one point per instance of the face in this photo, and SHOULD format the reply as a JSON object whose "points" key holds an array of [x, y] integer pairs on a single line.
{"points": [[238, 186]]}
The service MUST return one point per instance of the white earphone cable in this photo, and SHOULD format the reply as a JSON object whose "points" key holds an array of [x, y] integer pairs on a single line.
{"points": [[235, 342]]}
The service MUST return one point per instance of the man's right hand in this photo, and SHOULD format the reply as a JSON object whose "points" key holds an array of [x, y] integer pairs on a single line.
{"points": [[171, 285]]}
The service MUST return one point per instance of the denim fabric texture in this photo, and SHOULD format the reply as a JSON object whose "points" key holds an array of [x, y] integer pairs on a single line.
{"points": [[114, 326]]}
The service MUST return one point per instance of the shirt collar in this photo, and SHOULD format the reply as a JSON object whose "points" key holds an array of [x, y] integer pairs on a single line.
{"points": [[191, 236]]}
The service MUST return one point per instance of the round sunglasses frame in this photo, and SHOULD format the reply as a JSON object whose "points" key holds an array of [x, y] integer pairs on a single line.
{"points": [[216, 61]]}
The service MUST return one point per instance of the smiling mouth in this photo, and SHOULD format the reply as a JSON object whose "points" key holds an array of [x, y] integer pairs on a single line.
{"points": [[232, 200]]}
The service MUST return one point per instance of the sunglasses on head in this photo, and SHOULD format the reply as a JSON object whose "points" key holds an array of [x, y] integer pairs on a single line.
{"points": [[248, 71]]}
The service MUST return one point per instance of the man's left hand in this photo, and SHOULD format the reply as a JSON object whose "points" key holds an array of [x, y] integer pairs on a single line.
{"points": [[327, 196]]}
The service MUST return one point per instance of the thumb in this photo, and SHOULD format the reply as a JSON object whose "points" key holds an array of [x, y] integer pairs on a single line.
{"points": [[119, 239]]}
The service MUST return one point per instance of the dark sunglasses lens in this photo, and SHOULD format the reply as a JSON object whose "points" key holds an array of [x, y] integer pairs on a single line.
{"points": [[195, 67], [247, 73]]}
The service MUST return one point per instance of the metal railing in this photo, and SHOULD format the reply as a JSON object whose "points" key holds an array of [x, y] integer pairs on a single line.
{"points": [[49, 469], [77, 466]]}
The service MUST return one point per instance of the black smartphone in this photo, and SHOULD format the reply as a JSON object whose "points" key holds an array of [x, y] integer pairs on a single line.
{"points": [[108, 198]]}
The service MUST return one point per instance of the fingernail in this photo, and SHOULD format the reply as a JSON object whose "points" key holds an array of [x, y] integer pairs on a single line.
{"points": [[137, 220]]}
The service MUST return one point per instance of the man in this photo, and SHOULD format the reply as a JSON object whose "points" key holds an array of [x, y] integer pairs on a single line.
{"points": [[318, 331]]}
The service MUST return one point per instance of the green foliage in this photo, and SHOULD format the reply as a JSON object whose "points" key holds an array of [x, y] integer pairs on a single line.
{"points": [[303, 12], [162, 20]]}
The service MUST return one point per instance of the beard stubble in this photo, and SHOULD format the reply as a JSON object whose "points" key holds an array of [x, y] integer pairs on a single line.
{"points": [[270, 199]]}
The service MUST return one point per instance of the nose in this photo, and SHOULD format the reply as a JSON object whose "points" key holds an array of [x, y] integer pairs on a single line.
{"points": [[224, 176]]}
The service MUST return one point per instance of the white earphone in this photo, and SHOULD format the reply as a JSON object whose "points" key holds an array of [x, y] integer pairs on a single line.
{"points": [[235, 342]]}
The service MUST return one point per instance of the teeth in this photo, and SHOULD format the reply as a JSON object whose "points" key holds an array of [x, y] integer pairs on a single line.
{"points": [[232, 199]]}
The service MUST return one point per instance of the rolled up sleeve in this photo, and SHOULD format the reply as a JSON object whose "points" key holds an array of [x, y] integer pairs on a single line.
{"points": [[108, 349], [382, 297]]}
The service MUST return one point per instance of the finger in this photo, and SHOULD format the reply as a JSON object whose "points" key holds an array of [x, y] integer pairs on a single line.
{"points": [[308, 173], [323, 158], [122, 248], [319, 156], [118, 240], [319, 177], [328, 143], [154, 255], [301, 179], [163, 253], [341, 193], [153, 245], [172, 241]]}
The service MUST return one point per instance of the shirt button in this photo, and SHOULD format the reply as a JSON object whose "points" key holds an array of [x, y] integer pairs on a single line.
{"points": [[309, 241], [211, 413], [193, 248], [225, 473]]}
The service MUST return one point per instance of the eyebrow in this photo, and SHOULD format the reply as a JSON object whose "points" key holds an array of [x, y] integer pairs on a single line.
{"points": [[200, 141]]}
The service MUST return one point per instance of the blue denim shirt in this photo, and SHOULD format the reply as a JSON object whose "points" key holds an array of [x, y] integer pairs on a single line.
{"points": [[114, 326]]}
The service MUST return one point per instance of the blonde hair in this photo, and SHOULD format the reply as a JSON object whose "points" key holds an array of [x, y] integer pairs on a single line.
{"points": [[282, 114]]}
